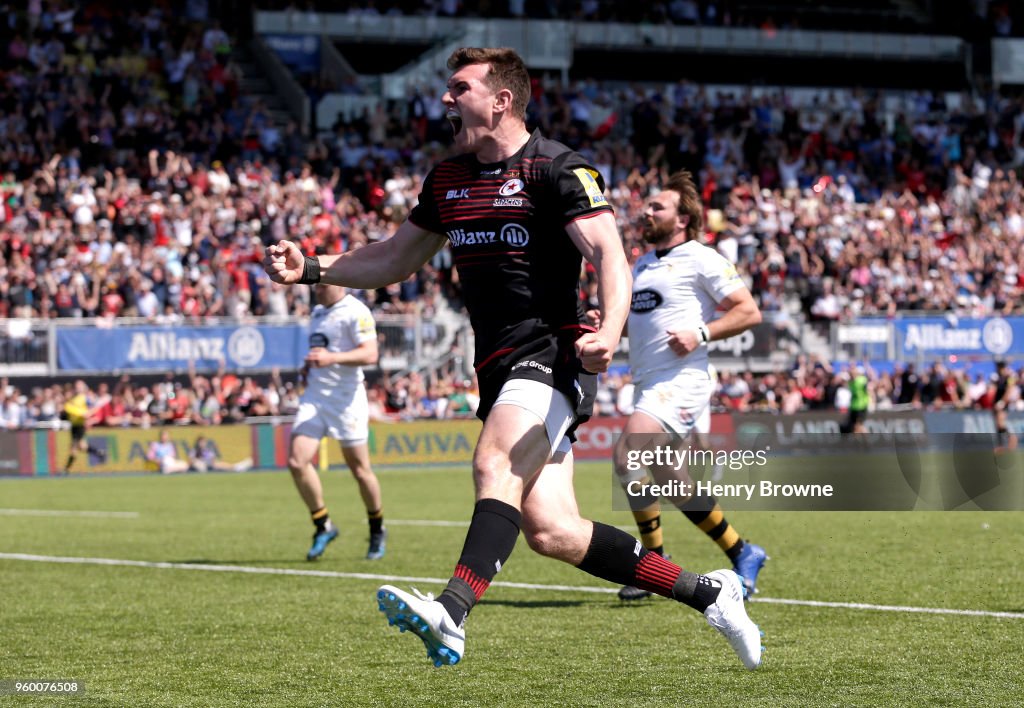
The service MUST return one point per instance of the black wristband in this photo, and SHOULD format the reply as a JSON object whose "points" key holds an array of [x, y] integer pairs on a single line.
{"points": [[310, 271]]}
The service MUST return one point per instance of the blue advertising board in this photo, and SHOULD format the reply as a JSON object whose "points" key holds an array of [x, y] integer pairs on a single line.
{"points": [[942, 336], [165, 348], [299, 51]]}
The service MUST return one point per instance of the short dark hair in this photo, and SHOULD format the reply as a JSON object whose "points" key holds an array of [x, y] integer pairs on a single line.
{"points": [[689, 202], [507, 72]]}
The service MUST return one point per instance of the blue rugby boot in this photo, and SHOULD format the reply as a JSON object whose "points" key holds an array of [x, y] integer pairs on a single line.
{"points": [[748, 565], [320, 541]]}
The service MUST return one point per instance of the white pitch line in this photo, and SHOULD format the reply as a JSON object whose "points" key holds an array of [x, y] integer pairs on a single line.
{"points": [[453, 524], [71, 512], [889, 608], [441, 581], [280, 571]]}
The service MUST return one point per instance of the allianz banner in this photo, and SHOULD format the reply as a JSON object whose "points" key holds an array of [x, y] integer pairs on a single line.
{"points": [[942, 336], [166, 349]]}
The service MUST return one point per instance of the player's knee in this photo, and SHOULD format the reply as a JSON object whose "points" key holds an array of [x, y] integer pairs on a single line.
{"points": [[545, 541], [555, 540], [362, 471], [297, 463], [490, 465]]}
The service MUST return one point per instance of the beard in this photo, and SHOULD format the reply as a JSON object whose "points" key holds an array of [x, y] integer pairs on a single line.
{"points": [[655, 232]]}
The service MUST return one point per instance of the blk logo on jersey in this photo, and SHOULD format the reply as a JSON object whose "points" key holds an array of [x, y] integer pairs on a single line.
{"points": [[645, 301], [457, 194], [513, 186]]}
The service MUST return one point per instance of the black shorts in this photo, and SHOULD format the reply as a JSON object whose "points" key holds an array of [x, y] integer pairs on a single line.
{"points": [[77, 432], [549, 360]]}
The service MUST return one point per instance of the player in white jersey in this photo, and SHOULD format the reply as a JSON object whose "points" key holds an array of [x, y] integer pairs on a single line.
{"points": [[342, 339], [678, 286]]}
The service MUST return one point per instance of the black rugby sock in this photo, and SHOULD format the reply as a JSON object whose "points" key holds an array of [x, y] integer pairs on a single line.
{"points": [[489, 542]]}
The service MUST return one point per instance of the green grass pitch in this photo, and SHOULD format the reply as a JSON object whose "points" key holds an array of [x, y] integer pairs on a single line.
{"points": [[147, 636]]}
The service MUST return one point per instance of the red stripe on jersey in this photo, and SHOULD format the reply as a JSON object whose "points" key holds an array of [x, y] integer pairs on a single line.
{"points": [[484, 201], [579, 329], [493, 356], [487, 255], [490, 212], [591, 215], [462, 265], [486, 209]]}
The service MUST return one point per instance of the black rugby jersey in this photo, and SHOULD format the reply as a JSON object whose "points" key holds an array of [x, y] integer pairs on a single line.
{"points": [[505, 223]]}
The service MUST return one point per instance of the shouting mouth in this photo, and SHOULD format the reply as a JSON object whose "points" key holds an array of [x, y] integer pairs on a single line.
{"points": [[455, 120]]}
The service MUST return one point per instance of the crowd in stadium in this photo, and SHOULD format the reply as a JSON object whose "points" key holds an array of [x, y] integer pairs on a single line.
{"points": [[228, 398], [136, 181], [995, 17]]}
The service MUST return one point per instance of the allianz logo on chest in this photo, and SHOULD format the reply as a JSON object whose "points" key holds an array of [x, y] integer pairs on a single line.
{"points": [[514, 235]]}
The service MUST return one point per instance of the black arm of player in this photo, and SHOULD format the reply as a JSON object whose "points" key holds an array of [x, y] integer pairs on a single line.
{"points": [[597, 238], [384, 262], [373, 266]]}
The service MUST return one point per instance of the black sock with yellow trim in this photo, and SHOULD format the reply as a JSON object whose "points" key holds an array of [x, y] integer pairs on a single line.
{"points": [[647, 514], [376, 519], [321, 519], [706, 514], [648, 521]]}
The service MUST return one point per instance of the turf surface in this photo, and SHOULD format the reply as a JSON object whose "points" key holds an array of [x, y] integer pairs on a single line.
{"points": [[146, 636]]}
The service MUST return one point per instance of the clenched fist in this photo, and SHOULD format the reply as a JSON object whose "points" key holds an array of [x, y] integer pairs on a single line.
{"points": [[594, 352], [284, 262]]}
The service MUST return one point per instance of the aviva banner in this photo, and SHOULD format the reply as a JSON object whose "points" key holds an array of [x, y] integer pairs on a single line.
{"points": [[415, 442], [126, 448], [165, 349], [422, 441]]}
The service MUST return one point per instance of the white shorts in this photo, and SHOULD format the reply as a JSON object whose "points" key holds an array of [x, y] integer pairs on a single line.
{"points": [[681, 404], [549, 405], [344, 417]]}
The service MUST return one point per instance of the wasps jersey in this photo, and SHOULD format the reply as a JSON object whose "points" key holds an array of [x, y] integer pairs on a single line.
{"points": [[505, 223], [339, 328], [679, 290]]}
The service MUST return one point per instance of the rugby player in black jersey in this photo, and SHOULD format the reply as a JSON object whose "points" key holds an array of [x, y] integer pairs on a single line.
{"points": [[519, 213]]}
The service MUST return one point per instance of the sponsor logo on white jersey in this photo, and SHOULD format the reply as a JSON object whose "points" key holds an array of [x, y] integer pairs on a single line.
{"points": [[645, 301]]}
